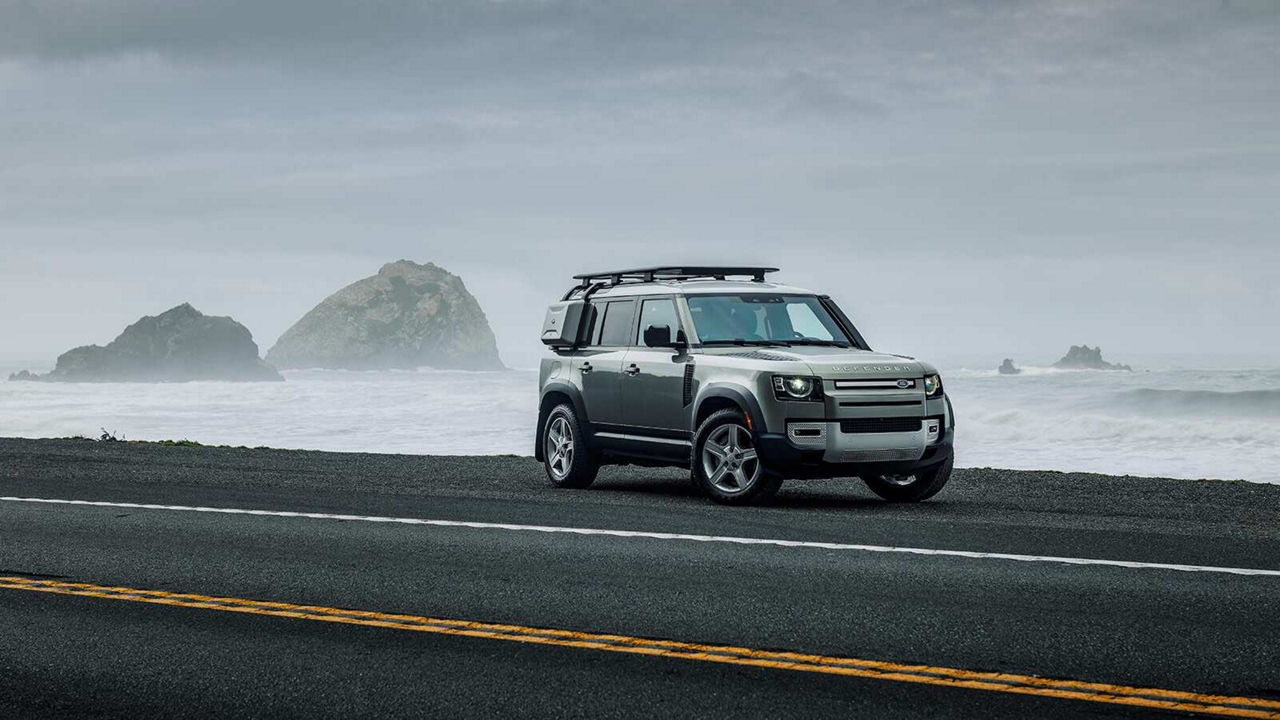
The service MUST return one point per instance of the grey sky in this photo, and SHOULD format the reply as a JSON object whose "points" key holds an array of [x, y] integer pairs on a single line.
{"points": [[968, 179]]}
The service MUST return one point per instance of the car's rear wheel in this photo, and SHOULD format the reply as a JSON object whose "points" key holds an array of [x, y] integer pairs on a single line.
{"points": [[565, 454], [726, 465], [910, 488]]}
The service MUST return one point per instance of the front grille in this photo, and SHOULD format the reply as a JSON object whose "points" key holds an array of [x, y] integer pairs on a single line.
{"points": [[882, 403], [889, 455], [881, 425], [878, 384]]}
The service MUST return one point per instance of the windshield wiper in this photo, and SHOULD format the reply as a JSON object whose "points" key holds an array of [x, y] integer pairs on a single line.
{"points": [[825, 343], [743, 342]]}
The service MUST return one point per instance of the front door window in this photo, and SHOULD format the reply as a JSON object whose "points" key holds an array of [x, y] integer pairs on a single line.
{"points": [[661, 311]]}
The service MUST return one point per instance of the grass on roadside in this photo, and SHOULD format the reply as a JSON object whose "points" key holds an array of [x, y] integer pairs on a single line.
{"points": [[111, 436]]}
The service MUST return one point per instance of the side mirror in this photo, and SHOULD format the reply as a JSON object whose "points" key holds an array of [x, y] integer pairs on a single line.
{"points": [[660, 336]]}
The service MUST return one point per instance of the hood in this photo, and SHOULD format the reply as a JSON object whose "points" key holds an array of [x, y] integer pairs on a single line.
{"points": [[832, 362]]}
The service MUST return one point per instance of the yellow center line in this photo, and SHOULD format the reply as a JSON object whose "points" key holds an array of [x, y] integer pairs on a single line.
{"points": [[1158, 698]]}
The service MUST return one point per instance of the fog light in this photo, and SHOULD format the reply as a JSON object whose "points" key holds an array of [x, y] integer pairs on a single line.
{"points": [[933, 430], [808, 434]]}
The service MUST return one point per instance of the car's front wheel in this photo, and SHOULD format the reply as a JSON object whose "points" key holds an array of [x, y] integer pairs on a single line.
{"points": [[565, 454], [726, 464], [910, 488]]}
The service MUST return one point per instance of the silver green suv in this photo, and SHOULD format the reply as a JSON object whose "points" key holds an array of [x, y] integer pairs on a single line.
{"points": [[745, 382]]}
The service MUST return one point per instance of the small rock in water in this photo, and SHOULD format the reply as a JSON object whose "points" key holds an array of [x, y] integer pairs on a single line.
{"points": [[1083, 357], [1007, 367]]}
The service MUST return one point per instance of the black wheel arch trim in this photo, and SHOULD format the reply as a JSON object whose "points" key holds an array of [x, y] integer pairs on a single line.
{"points": [[739, 395], [544, 409]]}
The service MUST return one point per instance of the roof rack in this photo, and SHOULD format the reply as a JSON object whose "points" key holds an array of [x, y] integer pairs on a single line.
{"points": [[590, 282], [686, 272]]}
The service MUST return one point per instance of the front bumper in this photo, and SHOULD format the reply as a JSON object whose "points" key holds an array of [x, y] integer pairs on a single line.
{"points": [[855, 454]]}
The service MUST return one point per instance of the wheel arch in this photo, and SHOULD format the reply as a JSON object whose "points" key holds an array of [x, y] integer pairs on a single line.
{"points": [[721, 396], [555, 394]]}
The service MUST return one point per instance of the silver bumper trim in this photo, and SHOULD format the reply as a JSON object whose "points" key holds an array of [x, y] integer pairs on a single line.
{"points": [[840, 446]]}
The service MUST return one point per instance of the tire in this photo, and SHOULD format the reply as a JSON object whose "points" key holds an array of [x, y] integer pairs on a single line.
{"points": [[566, 456], [726, 466], [911, 488]]}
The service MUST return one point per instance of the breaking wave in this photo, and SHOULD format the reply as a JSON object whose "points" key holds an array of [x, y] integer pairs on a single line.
{"points": [[1247, 403], [1191, 423]]}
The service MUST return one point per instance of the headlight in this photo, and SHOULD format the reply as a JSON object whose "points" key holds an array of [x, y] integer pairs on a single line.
{"points": [[933, 386], [797, 387]]}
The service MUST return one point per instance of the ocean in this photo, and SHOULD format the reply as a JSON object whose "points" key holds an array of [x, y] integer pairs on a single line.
{"points": [[1181, 423]]}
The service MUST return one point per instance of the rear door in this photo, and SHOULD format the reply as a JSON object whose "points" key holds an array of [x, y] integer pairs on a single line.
{"points": [[653, 377], [599, 364]]}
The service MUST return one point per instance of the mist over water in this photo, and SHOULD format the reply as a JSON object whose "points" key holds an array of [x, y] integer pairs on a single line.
{"points": [[415, 412], [1217, 423]]}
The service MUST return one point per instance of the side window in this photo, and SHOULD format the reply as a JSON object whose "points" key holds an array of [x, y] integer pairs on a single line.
{"points": [[591, 325], [658, 311], [806, 323], [616, 327]]}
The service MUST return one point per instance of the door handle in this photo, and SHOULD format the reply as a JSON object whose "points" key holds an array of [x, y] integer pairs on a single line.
{"points": [[632, 369], [586, 368]]}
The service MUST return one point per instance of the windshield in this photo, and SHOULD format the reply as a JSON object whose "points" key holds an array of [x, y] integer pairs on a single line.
{"points": [[759, 319]]}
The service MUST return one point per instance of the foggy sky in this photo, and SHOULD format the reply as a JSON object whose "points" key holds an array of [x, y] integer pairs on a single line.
{"points": [[969, 180]]}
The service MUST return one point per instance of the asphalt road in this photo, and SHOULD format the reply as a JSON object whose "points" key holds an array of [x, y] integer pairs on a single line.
{"points": [[114, 610]]}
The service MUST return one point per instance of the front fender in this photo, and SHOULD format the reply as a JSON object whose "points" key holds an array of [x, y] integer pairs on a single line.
{"points": [[741, 396]]}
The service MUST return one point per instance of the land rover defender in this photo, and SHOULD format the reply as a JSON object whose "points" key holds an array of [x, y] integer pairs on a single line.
{"points": [[744, 381]]}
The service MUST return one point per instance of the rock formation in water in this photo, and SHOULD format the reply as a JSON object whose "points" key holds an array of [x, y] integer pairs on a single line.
{"points": [[407, 316], [1007, 367], [177, 345], [1083, 357]]}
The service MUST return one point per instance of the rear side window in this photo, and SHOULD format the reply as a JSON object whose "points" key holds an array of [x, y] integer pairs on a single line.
{"points": [[591, 325], [615, 329]]}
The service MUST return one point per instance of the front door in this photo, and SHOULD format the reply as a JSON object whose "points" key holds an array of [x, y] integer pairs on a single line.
{"points": [[653, 377]]}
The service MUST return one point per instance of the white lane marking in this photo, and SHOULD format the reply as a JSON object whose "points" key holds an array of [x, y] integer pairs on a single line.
{"points": [[660, 536]]}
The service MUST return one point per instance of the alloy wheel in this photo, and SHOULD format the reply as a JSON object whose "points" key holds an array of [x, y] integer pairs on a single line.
{"points": [[729, 459], [559, 447]]}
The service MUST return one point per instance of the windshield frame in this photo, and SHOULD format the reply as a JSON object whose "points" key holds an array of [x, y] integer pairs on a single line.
{"points": [[848, 337]]}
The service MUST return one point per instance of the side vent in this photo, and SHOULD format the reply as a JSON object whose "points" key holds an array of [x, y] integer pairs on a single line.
{"points": [[688, 383]]}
